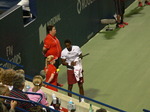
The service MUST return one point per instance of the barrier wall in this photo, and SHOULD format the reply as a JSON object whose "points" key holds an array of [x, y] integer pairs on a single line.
{"points": [[78, 20], [80, 106]]}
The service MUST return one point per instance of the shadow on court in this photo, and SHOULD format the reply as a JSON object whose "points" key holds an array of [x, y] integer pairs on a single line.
{"points": [[92, 93], [134, 11], [110, 34]]}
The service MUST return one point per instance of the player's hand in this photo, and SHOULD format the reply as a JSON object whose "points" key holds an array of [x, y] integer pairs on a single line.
{"points": [[73, 63], [71, 67]]}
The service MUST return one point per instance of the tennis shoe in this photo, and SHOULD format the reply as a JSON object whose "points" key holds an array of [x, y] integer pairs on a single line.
{"points": [[120, 25], [147, 3], [125, 23]]}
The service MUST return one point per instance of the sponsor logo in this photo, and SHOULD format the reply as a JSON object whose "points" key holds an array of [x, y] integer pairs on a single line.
{"points": [[82, 4], [90, 35], [54, 20], [42, 28], [15, 58]]}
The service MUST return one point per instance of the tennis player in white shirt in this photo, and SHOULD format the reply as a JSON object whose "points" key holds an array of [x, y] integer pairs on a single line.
{"points": [[70, 57]]}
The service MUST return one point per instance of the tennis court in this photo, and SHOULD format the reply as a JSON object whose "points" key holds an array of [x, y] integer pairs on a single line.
{"points": [[117, 71]]}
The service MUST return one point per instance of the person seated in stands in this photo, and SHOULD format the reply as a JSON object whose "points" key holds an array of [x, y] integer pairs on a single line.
{"points": [[37, 82], [101, 110], [18, 85], [43, 74], [4, 90], [36, 109], [7, 77], [57, 106], [21, 71]]}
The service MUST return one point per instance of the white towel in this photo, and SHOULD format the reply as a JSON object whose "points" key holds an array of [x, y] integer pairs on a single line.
{"points": [[78, 68]]}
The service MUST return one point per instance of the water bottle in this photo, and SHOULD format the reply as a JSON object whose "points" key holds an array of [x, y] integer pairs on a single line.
{"points": [[27, 87], [71, 105], [91, 109], [54, 99], [45, 96]]}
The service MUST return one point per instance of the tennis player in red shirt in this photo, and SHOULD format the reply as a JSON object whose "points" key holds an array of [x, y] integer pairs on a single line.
{"points": [[52, 45]]}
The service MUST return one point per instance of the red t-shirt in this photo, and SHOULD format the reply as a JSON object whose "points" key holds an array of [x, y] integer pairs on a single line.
{"points": [[63, 109], [52, 44], [51, 69]]}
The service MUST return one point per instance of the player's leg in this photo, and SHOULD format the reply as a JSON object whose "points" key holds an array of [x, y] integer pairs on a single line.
{"points": [[118, 9], [81, 89], [70, 86], [71, 80], [122, 11]]}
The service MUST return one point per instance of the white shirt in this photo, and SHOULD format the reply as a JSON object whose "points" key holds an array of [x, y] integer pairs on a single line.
{"points": [[71, 55]]}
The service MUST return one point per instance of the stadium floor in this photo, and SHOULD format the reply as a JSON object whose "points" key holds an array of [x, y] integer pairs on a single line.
{"points": [[117, 71]]}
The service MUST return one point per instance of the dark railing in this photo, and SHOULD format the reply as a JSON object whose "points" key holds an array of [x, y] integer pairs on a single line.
{"points": [[21, 66], [145, 110], [28, 101], [114, 108]]}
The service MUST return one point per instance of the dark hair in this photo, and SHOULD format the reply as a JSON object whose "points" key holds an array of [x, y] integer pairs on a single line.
{"points": [[7, 77], [101, 110], [42, 74], [18, 80], [36, 109], [49, 28], [67, 41]]}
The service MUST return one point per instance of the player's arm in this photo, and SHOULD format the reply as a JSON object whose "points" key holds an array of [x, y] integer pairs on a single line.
{"points": [[46, 46], [63, 61], [51, 78], [44, 50]]}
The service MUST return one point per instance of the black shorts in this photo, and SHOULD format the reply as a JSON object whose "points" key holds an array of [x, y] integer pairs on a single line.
{"points": [[119, 7]]}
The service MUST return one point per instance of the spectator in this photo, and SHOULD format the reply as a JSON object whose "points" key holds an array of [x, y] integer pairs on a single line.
{"points": [[51, 72], [29, 10], [52, 45], [120, 10], [68, 56], [7, 77], [4, 90], [36, 109], [18, 85], [37, 82], [101, 110], [21, 71], [43, 74], [140, 4], [33, 9]]}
